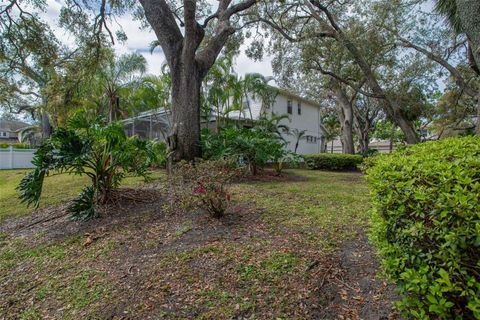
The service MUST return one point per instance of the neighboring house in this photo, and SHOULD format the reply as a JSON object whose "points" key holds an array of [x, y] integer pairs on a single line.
{"points": [[303, 114], [383, 146], [9, 130]]}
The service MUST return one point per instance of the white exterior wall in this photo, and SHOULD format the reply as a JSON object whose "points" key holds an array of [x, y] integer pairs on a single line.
{"points": [[308, 120], [16, 158]]}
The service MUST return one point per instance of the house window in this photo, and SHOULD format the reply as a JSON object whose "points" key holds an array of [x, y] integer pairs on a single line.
{"points": [[289, 106], [299, 106], [3, 134], [311, 139]]}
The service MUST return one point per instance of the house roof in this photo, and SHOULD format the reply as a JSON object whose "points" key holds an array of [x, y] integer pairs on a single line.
{"points": [[287, 93], [12, 125]]}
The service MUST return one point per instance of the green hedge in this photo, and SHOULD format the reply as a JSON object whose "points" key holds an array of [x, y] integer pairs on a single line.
{"points": [[426, 225], [15, 145], [332, 161]]}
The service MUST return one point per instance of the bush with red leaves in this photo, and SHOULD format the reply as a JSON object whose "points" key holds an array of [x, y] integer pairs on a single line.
{"points": [[201, 185]]}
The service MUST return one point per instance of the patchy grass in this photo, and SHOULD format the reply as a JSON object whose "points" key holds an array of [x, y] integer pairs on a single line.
{"points": [[332, 203], [58, 188], [256, 263]]}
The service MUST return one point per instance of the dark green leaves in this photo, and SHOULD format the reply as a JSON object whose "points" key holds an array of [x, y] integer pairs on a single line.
{"points": [[82, 207], [100, 151]]}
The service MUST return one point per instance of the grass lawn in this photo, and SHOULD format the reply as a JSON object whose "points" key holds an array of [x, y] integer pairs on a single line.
{"points": [[262, 261], [57, 189]]}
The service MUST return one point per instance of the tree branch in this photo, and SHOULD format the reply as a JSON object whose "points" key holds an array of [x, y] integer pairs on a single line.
{"points": [[459, 80], [206, 57], [161, 19], [344, 81]]}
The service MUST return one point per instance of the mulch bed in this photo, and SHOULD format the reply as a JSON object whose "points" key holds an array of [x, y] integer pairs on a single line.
{"points": [[343, 285]]}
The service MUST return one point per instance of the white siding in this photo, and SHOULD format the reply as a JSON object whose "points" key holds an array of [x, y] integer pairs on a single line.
{"points": [[308, 120]]}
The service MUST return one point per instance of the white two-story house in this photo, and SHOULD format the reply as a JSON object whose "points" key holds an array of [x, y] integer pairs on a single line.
{"points": [[303, 116]]}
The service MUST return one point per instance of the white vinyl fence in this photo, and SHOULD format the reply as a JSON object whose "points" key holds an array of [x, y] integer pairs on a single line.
{"points": [[11, 158]]}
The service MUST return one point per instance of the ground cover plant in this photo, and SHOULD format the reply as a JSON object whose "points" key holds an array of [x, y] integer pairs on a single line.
{"points": [[426, 218]]}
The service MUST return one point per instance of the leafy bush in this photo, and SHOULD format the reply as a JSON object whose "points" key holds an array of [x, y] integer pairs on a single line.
{"points": [[21, 146], [14, 145], [159, 155], [256, 147], [201, 185], [332, 161], [100, 151], [370, 153], [426, 224]]}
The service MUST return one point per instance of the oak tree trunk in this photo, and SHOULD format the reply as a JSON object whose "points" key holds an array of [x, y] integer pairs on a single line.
{"points": [[364, 140], [345, 115], [477, 128], [46, 126], [184, 142]]}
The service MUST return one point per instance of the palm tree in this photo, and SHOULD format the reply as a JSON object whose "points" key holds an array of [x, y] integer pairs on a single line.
{"points": [[273, 124], [299, 135], [117, 74], [30, 134], [463, 16], [332, 126]]}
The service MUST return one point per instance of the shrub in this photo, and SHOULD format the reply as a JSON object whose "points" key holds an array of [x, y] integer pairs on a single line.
{"points": [[201, 185], [21, 146], [332, 161], [370, 153], [159, 155], [255, 147], [100, 151], [14, 145], [426, 225]]}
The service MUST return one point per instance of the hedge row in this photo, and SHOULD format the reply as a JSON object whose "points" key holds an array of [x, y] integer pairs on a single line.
{"points": [[333, 161], [426, 225], [15, 145]]}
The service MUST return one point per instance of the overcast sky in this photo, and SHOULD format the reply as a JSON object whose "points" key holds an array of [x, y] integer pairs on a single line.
{"points": [[139, 40]]}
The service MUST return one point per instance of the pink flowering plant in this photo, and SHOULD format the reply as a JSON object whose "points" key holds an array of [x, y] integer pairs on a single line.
{"points": [[202, 185]]}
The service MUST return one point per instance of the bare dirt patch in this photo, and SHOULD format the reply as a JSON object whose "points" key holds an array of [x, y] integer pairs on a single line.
{"points": [[350, 285], [139, 262]]}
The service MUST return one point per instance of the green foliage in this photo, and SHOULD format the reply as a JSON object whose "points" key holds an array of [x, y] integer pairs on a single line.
{"points": [[386, 130], [370, 153], [14, 145], [254, 147], [158, 157], [332, 161], [228, 96], [426, 224], [201, 185], [82, 208], [102, 152]]}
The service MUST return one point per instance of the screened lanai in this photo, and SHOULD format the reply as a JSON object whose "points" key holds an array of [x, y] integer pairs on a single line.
{"points": [[152, 124]]}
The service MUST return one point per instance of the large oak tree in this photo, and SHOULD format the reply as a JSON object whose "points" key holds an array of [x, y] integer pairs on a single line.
{"points": [[190, 55]]}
